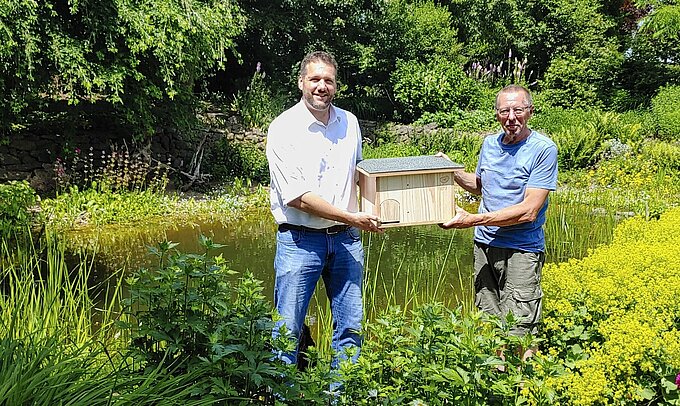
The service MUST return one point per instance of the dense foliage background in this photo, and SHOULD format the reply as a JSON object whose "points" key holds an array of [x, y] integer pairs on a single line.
{"points": [[147, 63]]}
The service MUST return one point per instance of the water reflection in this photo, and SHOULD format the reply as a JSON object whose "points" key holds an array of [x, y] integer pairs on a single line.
{"points": [[405, 266]]}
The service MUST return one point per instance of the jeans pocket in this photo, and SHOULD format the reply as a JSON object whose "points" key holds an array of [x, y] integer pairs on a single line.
{"points": [[289, 237], [354, 233]]}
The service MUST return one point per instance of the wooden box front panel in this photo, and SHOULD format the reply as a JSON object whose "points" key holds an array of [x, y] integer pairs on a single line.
{"points": [[414, 199]]}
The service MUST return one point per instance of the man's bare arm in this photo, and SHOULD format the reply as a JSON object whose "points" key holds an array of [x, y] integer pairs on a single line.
{"points": [[523, 212], [468, 181], [314, 204]]}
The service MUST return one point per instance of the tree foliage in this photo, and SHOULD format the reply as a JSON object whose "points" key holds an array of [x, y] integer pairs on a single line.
{"points": [[135, 56], [143, 61]]}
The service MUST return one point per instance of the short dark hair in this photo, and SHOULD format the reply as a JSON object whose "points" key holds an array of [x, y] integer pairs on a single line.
{"points": [[316, 56], [515, 89]]}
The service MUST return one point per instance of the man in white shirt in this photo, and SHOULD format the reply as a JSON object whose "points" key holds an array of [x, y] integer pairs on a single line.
{"points": [[312, 149]]}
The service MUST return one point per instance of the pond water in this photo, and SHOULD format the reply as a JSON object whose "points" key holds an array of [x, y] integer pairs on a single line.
{"points": [[424, 262], [404, 266]]}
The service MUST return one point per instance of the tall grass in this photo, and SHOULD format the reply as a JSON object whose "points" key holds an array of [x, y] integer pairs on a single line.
{"points": [[406, 286], [42, 295], [58, 342], [51, 349], [578, 222]]}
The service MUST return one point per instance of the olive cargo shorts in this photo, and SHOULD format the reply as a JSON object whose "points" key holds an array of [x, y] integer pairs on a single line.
{"points": [[508, 280]]}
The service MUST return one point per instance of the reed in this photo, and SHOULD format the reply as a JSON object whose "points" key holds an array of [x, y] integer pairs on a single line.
{"points": [[43, 294], [579, 221], [56, 344]]}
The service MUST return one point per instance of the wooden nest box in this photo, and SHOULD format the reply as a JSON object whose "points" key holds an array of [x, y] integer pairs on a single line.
{"points": [[408, 191]]}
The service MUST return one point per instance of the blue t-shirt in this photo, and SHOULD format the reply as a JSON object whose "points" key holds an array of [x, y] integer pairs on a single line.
{"points": [[506, 171]]}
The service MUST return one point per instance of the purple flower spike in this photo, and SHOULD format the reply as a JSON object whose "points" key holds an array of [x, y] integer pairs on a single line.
{"points": [[677, 381], [258, 67]]}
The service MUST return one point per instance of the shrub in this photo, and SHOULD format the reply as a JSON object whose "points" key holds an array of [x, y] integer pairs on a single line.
{"points": [[578, 147], [613, 317], [52, 351], [437, 85], [583, 136], [461, 120], [567, 84], [463, 148], [666, 113], [231, 159], [257, 105], [16, 200], [187, 317], [100, 205], [438, 357], [391, 150]]}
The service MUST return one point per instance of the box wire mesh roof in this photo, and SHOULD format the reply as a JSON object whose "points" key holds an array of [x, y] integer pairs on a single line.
{"points": [[406, 164]]}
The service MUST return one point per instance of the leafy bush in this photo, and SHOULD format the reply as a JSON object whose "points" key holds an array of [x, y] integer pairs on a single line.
{"points": [[100, 205], [666, 113], [232, 159], [52, 351], [257, 105], [583, 137], [613, 317], [461, 120], [186, 316], [16, 200], [140, 59], [578, 147], [437, 85], [391, 150], [440, 356]]}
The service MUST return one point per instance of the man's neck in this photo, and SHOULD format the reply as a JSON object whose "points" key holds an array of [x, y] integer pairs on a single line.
{"points": [[517, 138], [321, 115]]}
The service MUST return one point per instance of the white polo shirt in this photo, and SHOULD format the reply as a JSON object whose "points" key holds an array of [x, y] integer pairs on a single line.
{"points": [[307, 156]]}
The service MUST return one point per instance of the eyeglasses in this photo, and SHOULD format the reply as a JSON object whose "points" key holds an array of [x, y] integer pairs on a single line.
{"points": [[517, 110]]}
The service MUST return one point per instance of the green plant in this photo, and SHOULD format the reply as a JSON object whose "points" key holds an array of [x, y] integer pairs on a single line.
{"points": [[117, 170], [513, 72], [437, 85], [665, 113], [100, 206], [257, 105], [17, 198], [439, 356], [472, 121], [578, 147], [390, 150], [186, 315], [115, 187], [233, 159], [139, 59]]}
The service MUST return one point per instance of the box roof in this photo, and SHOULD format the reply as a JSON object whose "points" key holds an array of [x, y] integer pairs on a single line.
{"points": [[426, 163]]}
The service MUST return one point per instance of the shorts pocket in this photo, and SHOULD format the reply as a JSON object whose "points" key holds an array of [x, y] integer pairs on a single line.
{"points": [[527, 304]]}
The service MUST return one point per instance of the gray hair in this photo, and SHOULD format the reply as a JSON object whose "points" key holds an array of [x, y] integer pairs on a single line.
{"points": [[515, 89]]}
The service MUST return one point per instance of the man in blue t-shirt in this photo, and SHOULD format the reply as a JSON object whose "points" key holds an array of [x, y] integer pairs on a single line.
{"points": [[516, 171]]}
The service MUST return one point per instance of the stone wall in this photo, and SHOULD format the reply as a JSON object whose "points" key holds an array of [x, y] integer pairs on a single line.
{"points": [[32, 156]]}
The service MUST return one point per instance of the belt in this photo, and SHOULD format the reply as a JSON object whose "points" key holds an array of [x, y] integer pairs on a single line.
{"points": [[328, 230]]}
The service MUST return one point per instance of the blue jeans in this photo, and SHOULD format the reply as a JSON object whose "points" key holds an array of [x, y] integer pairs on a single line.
{"points": [[301, 258]]}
